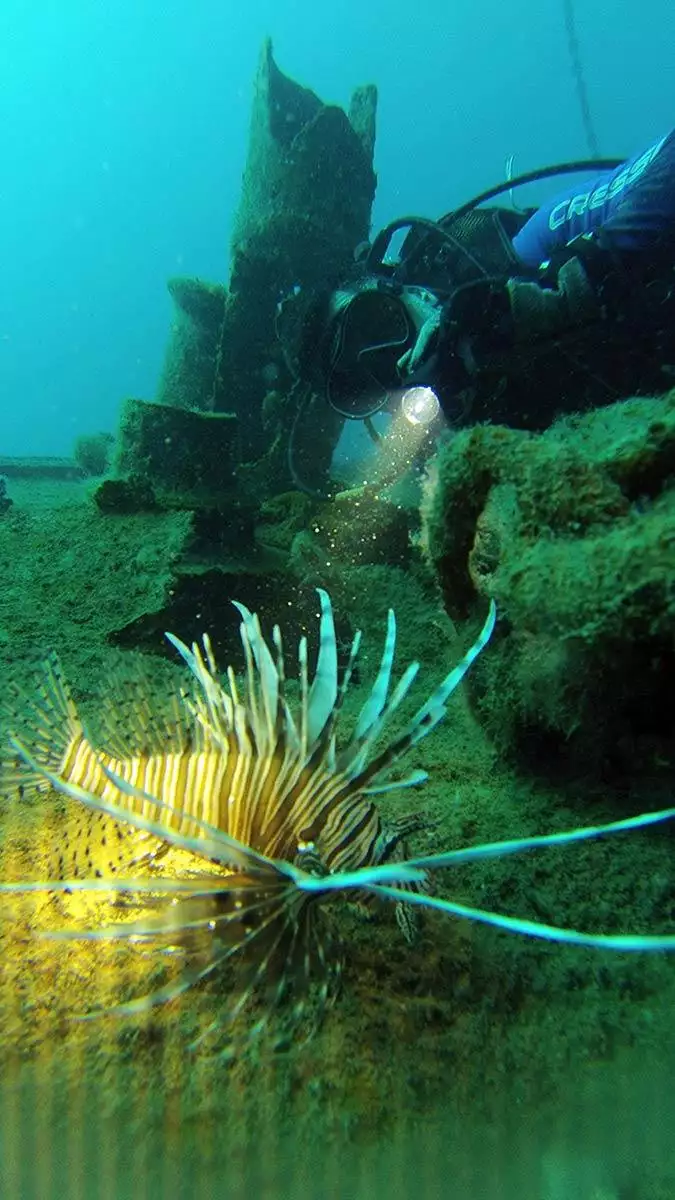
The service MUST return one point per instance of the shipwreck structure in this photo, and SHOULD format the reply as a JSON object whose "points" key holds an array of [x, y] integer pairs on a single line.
{"points": [[307, 193]]}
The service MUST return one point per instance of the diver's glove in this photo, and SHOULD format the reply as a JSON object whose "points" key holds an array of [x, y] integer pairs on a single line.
{"points": [[487, 325], [423, 347], [546, 312], [494, 316], [588, 280]]}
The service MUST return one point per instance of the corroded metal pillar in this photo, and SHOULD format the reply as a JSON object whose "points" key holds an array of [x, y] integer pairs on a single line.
{"points": [[306, 201], [307, 193]]}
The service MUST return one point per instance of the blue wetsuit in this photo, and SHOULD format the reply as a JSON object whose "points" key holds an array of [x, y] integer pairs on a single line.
{"points": [[520, 352], [633, 206]]}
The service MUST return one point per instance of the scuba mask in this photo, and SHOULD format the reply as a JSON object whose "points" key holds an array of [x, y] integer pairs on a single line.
{"points": [[369, 331]]}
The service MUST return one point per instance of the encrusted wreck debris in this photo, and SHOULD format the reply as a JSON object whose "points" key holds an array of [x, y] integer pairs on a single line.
{"points": [[207, 459], [306, 200], [572, 532]]}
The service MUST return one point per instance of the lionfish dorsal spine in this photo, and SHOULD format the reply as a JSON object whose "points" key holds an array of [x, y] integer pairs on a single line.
{"points": [[439, 697], [286, 729], [378, 696], [353, 757], [252, 704], [324, 689], [267, 673], [304, 696], [185, 652]]}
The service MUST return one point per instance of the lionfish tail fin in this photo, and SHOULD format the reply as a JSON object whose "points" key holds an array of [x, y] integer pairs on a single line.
{"points": [[46, 721]]}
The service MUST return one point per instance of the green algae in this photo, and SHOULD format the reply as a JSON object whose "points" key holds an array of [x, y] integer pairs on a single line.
{"points": [[572, 533]]}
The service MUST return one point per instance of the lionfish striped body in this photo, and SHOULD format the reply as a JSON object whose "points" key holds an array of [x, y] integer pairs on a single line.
{"points": [[258, 796], [273, 814]]}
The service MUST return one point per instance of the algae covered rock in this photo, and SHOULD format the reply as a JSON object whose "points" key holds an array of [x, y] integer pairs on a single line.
{"points": [[573, 533]]}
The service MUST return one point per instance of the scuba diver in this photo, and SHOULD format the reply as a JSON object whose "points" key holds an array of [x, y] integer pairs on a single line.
{"points": [[494, 314]]}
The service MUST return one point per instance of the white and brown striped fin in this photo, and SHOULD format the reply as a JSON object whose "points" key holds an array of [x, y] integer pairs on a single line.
{"points": [[143, 711], [221, 953], [261, 977], [374, 705], [45, 715], [366, 772], [262, 681], [324, 689], [45, 721], [255, 929]]}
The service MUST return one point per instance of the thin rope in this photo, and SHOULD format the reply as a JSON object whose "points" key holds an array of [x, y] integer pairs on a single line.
{"points": [[582, 93]]}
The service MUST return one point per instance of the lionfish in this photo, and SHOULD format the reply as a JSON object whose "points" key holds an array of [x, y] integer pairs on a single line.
{"points": [[273, 814]]}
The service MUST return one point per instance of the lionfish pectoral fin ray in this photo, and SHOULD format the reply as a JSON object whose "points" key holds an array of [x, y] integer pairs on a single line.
{"points": [[190, 977], [412, 780], [170, 921], [160, 885], [259, 972], [276, 914], [302, 979], [566, 837], [142, 1004], [537, 929], [627, 942], [144, 930], [383, 873]]}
